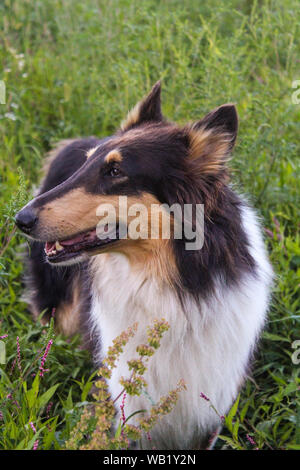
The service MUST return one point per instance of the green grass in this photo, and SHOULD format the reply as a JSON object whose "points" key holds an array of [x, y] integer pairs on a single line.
{"points": [[86, 63]]}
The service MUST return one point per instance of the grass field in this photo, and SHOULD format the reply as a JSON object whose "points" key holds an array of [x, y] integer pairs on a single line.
{"points": [[74, 68]]}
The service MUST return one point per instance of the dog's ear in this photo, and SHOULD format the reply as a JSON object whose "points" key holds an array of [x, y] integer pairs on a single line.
{"points": [[146, 110], [212, 138]]}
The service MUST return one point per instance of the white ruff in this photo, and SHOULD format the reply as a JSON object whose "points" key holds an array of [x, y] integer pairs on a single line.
{"points": [[209, 346]]}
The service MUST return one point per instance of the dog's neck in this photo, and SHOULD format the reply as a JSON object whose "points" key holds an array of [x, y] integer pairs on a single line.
{"points": [[124, 293], [152, 260]]}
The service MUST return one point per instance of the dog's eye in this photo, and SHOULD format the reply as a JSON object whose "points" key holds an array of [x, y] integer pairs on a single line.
{"points": [[115, 171]]}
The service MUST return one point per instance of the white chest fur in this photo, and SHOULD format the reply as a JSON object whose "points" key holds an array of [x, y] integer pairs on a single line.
{"points": [[208, 345]]}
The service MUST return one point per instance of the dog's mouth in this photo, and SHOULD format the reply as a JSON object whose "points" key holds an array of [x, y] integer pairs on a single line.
{"points": [[87, 242]]}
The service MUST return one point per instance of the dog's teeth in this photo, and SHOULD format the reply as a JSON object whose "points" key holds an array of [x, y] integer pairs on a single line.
{"points": [[58, 246]]}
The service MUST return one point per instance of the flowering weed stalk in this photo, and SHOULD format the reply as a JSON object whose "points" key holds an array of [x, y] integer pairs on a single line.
{"points": [[97, 428], [42, 370], [24, 400]]}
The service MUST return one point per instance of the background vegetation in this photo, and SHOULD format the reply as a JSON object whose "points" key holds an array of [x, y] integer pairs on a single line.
{"points": [[74, 68]]}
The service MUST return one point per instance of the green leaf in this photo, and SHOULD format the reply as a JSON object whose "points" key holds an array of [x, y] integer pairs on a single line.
{"points": [[236, 429], [231, 414], [118, 431], [274, 337], [135, 413], [33, 392], [50, 438], [244, 410], [43, 399], [230, 441]]}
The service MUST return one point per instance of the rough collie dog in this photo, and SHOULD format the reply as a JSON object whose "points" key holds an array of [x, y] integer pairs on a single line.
{"points": [[214, 298]]}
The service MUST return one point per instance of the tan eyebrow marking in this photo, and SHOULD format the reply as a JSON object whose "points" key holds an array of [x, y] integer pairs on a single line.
{"points": [[90, 152], [113, 156]]}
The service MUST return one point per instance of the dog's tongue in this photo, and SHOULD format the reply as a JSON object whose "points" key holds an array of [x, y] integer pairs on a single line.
{"points": [[79, 238], [83, 237], [72, 241]]}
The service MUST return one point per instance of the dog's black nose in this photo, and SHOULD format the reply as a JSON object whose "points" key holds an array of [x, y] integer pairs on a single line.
{"points": [[26, 219]]}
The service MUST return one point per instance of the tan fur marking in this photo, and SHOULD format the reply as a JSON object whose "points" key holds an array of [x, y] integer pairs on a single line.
{"points": [[91, 151], [149, 104], [113, 156], [132, 117], [70, 214], [208, 150], [155, 256], [67, 316]]}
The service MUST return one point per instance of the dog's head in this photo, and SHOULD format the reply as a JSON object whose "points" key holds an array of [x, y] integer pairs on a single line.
{"points": [[148, 162]]}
